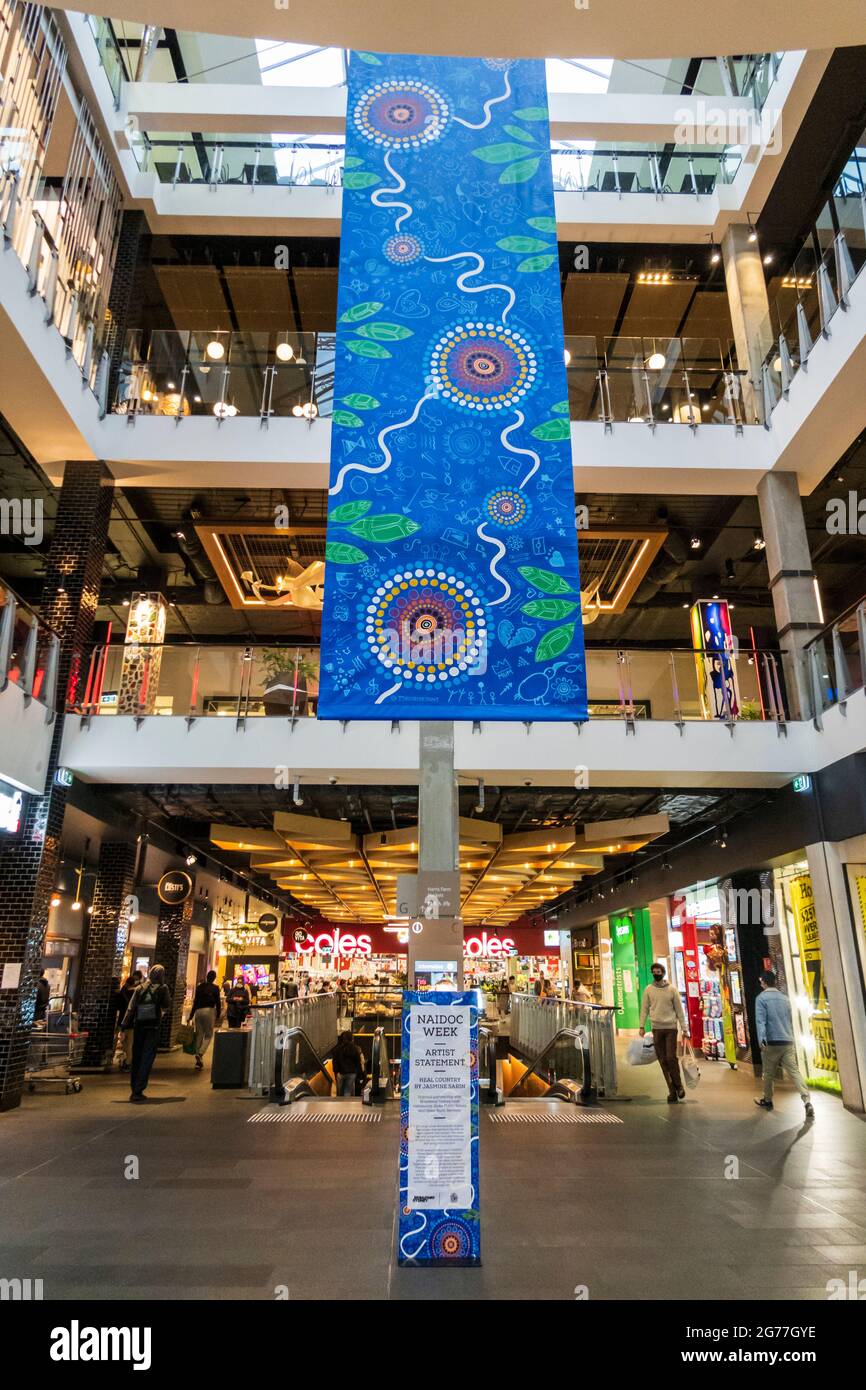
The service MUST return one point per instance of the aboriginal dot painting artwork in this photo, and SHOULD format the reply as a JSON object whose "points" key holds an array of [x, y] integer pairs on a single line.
{"points": [[452, 584]]}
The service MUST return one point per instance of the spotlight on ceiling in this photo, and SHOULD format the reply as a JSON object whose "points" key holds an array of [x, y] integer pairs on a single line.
{"points": [[215, 350], [695, 543], [759, 543], [285, 352], [191, 859]]}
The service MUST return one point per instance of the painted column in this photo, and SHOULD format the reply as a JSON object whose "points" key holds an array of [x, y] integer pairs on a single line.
{"points": [[172, 951], [750, 312], [142, 654], [792, 582], [438, 848], [30, 861], [107, 935]]}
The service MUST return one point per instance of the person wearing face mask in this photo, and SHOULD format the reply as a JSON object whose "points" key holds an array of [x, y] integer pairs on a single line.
{"points": [[663, 1004]]}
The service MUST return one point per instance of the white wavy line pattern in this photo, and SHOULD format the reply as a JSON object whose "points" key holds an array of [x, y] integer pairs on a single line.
{"points": [[380, 440], [381, 192], [486, 108], [468, 274], [386, 693], [512, 449], [500, 551]]}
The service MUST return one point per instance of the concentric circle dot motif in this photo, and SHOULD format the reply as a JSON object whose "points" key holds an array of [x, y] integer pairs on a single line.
{"points": [[425, 625], [403, 249], [506, 506], [401, 114], [451, 1239], [482, 366]]}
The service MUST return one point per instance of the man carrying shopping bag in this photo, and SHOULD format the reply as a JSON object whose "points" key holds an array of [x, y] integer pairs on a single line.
{"points": [[663, 1004]]}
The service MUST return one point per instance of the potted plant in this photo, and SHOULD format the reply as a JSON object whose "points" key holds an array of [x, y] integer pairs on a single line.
{"points": [[287, 680]]}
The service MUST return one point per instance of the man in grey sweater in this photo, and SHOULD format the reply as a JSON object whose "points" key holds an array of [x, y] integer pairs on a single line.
{"points": [[663, 1004]]}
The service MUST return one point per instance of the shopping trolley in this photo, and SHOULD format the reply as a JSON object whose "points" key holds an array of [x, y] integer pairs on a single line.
{"points": [[56, 1048]]}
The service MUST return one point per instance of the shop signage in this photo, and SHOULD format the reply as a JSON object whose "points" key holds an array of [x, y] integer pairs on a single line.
{"points": [[174, 887], [268, 921], [438, 1167], [428, 895], [299, 935], [812, 967], [489, 947], [335, 943]]}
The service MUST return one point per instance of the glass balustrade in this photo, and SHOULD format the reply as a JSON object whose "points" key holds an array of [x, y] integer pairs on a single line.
{"points": [[28, 649], [199, 681], [836, 660]]}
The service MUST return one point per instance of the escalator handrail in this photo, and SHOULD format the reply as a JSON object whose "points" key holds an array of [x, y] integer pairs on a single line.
{"points": [[579, 1038], [287, 1032], [379, 1045]]}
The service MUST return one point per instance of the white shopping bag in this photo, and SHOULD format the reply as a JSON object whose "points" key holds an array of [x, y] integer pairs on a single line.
{"points": [[689, 1065], [641, 1051]]}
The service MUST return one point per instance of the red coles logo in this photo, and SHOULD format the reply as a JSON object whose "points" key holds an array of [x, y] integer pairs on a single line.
{"points": [[334, 943]]}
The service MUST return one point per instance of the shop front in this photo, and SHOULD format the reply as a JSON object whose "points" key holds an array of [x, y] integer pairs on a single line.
{"points": [[805, 977], [631, 947], [708, 971]]}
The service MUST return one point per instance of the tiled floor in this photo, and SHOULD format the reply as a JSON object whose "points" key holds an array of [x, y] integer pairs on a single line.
{"points": [[221, 1208]]}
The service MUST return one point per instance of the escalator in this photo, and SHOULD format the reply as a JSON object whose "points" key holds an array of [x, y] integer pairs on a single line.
{"points": [[301, 1074], [562, 1070]]}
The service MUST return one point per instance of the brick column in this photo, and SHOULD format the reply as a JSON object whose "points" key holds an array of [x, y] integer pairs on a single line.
{"points": [[107, 935], [29, 863], [132, 226], [172, 951]]}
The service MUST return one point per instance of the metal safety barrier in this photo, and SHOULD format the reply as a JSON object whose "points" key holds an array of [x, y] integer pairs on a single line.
{"points": [[535, 1022], [316, 1017]]}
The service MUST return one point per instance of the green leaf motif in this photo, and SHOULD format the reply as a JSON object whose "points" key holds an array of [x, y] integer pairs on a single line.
{"points": [[520, 172], [532, 113], [359, 400], [349, 511], [542, 224], [390, 526], [517, 134], [522, 244], [356, 178], [362, 347], [554, 643], [545, 580], [347, 419], [549, 608], [352, 162], [561, 407], [361, 311], [551, 429], [369, 58], [535, 263], [384, 332], [341, 554], [500, 154]]}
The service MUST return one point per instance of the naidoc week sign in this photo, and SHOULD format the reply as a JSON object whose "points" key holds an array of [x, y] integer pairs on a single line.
{"points": [[438, 1185], [452, 584]]}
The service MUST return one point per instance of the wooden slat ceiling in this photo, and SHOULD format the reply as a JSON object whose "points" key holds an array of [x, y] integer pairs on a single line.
{"points": [[195, 297], [317, 298], [591, 303], [348, 877], [261, 298]]}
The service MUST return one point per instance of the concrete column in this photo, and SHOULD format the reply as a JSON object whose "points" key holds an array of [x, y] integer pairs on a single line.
{"points": [[841, 970], [438, 841], [29, 863], [172, 951], [107, 935], [791, 582], [750, 313]]}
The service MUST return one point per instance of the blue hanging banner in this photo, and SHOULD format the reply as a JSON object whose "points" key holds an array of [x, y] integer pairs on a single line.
{"points": [[439, 1208], [452, 587]]}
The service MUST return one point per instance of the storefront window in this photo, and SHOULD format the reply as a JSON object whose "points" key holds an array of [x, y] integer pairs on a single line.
{"points": [[804, 967]]}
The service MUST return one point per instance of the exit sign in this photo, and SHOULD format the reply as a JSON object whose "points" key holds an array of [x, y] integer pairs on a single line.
{"points": [[802, 783]]}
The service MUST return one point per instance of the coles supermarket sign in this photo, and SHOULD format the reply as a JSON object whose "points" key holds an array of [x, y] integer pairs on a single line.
{"points": [[354, 945]]}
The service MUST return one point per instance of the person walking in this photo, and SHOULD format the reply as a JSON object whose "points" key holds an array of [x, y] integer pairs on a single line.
{"points": [[665, 1009], [348, 1064], [503, 998], [123, 1042], [776, 1041], [580, 994], [206, 1010], [144, 1015]]}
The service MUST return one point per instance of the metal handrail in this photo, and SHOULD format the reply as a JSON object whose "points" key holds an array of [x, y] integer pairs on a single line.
{"points": [[535, 1022], [314, 1017], [580, 1037]]}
